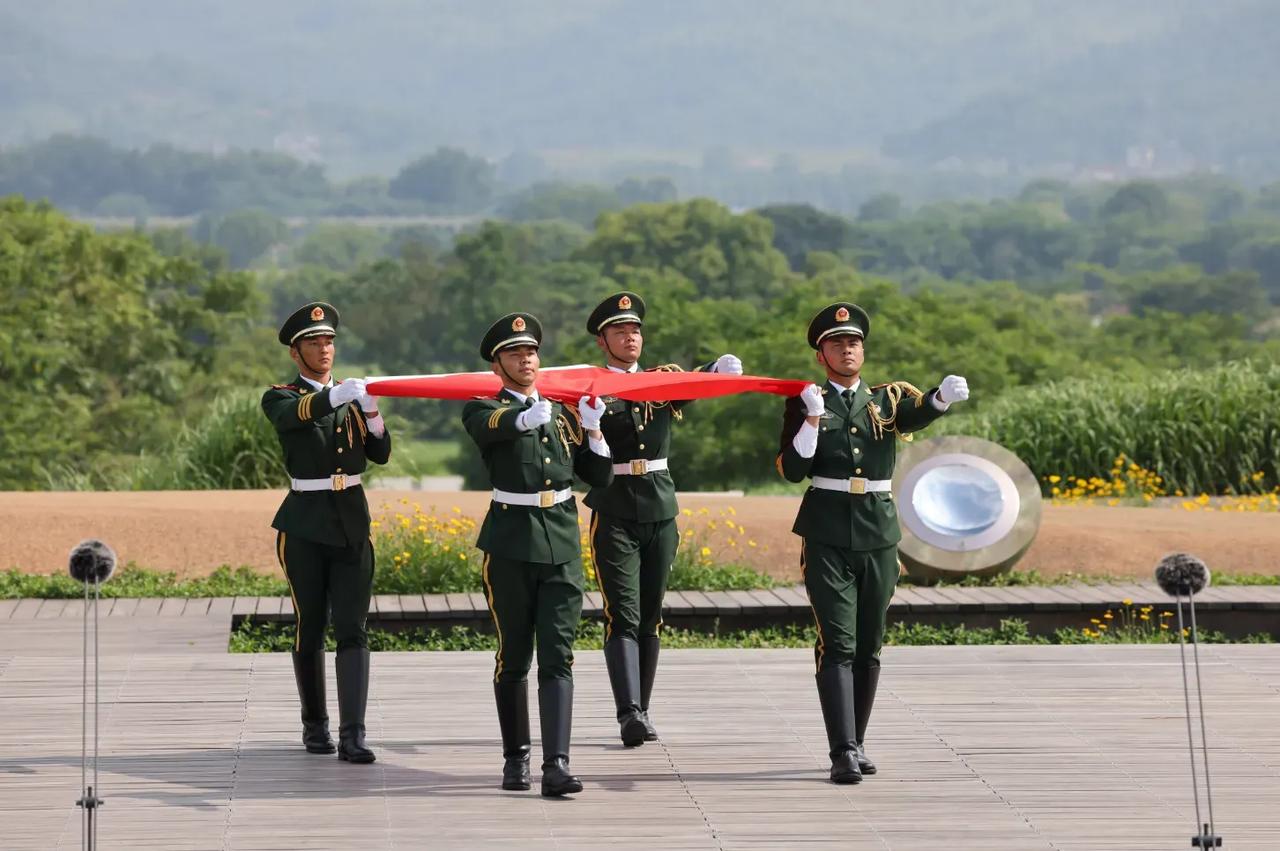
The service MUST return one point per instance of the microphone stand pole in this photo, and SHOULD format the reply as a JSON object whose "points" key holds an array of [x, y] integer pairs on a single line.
{"points": [[89, 800], [1206, 836]]}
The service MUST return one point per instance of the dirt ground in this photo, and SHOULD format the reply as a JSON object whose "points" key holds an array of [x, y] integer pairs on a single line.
{"points": [[192, 532]]}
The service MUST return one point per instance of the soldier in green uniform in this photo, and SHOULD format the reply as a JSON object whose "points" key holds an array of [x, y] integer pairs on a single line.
{"points": [[532, 569], [843, 437], [328, 432], [633, 530]]}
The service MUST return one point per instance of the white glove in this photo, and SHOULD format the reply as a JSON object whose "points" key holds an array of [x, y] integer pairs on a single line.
{"points": [[531, 418], [953, 389], [590, 414], [347, 391], [368, 403], [728, 365], [814, 406]]}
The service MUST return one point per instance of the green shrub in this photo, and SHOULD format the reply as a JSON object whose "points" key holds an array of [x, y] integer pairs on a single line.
{"points": [[1202, 431]]}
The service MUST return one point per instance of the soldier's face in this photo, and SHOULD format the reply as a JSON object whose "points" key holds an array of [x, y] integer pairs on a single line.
{"points": [[519, 364], [314, 353], [622, 340], [843, 354]]}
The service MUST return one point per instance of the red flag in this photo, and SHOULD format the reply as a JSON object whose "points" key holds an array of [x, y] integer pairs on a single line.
{"points": [[568, 384]]}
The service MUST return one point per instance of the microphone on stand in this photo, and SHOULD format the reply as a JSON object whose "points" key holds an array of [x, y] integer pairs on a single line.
{"points": [[1183, 575], [92, 562]]}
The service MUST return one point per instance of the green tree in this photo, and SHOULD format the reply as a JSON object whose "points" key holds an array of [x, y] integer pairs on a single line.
{"points": [[449, 180], [245, 235], [722, 253], [108, 339]]}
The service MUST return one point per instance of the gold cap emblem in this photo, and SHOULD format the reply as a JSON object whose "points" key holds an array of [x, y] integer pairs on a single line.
{"points": [[517, 324], [842, 315], [317, 313], [624, 303]]}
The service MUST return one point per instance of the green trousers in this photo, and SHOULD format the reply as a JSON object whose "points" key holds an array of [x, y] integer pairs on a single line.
{"points": [[849, 591], [324, 579], [533, 602], [632, 562]]}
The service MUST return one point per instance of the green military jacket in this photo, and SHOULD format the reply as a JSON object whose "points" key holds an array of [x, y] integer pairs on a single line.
{"points": [[853, 441], [320, 441], [541, 459]]}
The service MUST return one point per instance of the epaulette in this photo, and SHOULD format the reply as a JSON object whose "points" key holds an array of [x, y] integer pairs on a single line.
{"points": [[666, 367], [285, 387]]}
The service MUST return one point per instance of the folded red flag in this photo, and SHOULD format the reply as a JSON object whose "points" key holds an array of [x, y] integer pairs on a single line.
{"points": [[570, 383]]}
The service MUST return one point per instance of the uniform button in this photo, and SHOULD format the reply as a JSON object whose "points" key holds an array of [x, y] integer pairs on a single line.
{"points": [[339, 450], [544, 440], [504, 506], [546, 460], [642, 446], [853, 429], [856, 450], [858, 471], [546, 482], [338, 429], [339, 470], [637, 410], [640, 428], [824, 428]]}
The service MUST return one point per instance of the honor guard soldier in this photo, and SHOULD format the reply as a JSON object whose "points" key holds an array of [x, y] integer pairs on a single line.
{"points": [[843, 436], [532, 568], [633, 530], [328, 432]]}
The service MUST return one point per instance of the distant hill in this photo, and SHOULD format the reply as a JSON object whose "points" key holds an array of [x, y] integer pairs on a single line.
{"points": [[1202, 94], [366, 86]]}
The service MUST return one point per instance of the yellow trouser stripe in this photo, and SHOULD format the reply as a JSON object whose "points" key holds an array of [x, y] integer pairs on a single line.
{"points": [[595, 567], [822, 643], [488, 590], [297, 612]]}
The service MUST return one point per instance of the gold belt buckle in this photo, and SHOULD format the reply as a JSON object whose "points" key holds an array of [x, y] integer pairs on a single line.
{"points": [[546, 499], [857, 485], [639, 467], [339, 481]]}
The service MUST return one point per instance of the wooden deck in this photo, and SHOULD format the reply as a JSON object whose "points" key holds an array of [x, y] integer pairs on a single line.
{"points": [[979, 747], [1237, 611]]}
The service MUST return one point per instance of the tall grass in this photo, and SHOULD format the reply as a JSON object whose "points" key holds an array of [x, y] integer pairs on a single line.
{"points": [[1202, 431], [233, 446]]}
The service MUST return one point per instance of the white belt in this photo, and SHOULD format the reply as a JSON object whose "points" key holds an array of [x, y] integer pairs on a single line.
{"points": [[541, 499], [854, 485], [639, 467], [337, 482]]}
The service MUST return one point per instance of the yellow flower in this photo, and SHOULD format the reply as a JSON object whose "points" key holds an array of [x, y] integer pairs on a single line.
{"points": [[686, 512], [1127, 601], [1053, 480], [751, 543], [1102, 626], [462, 556], [1108, 616], [705, 551], [1164, 626]]}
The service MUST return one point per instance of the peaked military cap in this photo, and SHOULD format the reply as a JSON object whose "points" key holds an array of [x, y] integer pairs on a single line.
{"points": [[619, 307], [839, 318], [514, 329], [310, 320]]}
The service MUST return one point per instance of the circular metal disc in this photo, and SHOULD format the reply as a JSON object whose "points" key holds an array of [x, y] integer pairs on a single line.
{"points": [[967, 507]]}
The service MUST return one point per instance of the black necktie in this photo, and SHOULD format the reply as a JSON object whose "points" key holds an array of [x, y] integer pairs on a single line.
{"points": [[847, 395]]}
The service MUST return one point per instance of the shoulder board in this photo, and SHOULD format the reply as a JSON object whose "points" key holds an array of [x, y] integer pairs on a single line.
{"points": [[285, 387], [666, 367]]}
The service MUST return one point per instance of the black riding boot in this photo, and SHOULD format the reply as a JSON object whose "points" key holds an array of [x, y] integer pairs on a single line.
{"points": [[555, 712], [835, 693], [352, 666], [622, 657], [308, 670], [865, 681], [649, 646], [513, 719]]}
